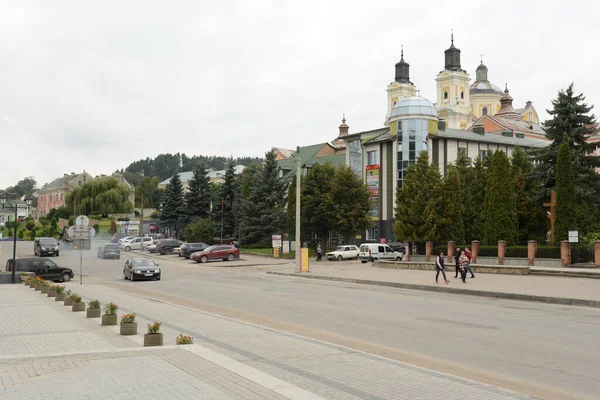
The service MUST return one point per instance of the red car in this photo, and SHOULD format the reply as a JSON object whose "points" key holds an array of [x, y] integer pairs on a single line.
{"points": [[224, 252]]}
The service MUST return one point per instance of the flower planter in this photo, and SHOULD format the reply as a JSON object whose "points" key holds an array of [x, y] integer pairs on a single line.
{"points": [[68, 301], [153, 339], [32, 284], [45, 289], [78, 306], [109, 319], [59, 297], [94, 312], [129, 328], [51, 293], [38, 287]]}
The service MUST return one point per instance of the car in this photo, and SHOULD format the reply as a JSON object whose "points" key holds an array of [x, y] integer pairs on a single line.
{"points": [[224, 252], [152, 247], [45, 246], [378, 251], [187, 249], [110, 250], [398, 247], [136, 243], [42, 267], [11, 239], [141, 268], [125, 239], [346, 252], [166, 246]]}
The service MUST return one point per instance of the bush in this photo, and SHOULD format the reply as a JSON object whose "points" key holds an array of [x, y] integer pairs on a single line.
{"points": [[94, 304], [54, 223], [97, 228], [20, 234], [155, 215], [76, 298], [136, 213], [127, 318], [30, 225], [110, 308], [202, 230], [154, 328], [71, 220]]}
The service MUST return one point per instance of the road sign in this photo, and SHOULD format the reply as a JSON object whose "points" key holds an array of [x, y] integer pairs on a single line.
{"points": [[573, 236], [276, 239], [82, 221]]}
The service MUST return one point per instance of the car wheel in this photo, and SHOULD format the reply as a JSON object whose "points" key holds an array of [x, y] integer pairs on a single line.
{"points": [[168, 250], [124, 275], [127, 248], [229, 257], [57, 254], [339, 258], [363, 261], [131, 277], [65, 277], [203, 259], [398, 259]]}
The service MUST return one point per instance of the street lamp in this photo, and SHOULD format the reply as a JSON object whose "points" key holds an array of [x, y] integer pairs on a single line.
{"points": [[141, 174], [16, 207]]}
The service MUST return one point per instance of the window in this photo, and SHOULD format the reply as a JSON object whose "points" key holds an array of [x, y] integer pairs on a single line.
{"points": [[484, 111], [372, 157], [381, 249], [530, 116], [49, 264], [445, 95], [280, 173], [462, 95], [371, 234], [304, 171]]}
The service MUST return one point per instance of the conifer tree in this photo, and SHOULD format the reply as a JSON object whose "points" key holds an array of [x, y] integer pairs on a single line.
{"points": [[481, 170], [500, 205], [349, 203], [227, 199], [172, 213], [451, 224], [565, 193], [197, 198], [242, 207]]}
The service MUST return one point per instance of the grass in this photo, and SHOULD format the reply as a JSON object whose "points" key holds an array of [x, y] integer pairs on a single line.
{"points": [[269, 251]]}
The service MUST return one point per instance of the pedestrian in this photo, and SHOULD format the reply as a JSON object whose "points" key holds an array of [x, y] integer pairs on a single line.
{"points": [[463, 262], [457, 262], [319, 252], [439, 267], [469, 256]]}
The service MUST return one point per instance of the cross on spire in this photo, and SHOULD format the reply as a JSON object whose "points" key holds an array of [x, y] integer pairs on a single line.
{"points": [[452, 35]]}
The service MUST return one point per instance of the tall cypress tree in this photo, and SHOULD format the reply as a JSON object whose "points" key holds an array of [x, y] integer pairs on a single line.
{"points": [[172, 213], [197, 198], [500, 205], [227, 194], [565, 193], [451, 224]]}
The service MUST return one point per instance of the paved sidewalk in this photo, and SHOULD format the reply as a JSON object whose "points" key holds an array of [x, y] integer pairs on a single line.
{"points": [[559, 290], [230, 360]]}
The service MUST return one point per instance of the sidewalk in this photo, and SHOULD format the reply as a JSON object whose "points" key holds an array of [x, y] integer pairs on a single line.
{"points": [[49, 352], [548, 289]]}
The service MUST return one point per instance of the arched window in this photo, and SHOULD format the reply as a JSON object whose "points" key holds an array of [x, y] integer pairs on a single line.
{"points": [[395, 102], [530, 116], [462, 95], [484, 111], [445, 95]]}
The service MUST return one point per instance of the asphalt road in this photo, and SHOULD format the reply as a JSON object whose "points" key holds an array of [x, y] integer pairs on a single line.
{"points": [[542, 350]]}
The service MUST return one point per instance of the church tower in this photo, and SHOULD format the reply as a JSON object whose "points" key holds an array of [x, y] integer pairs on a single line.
{"points": [[401, 87], [485, 96], [453, 101]]}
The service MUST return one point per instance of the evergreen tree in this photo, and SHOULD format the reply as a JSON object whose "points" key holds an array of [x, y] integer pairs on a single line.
{"points": [[476, 227], [348, 202], [265, 208], [451, 224], [227, 199], [198, 196], [500, 205], [316, 201], [201, 230], [416, 202], [172, 213], [470, 209], [290, 209], [242, 207], [565, 193]]}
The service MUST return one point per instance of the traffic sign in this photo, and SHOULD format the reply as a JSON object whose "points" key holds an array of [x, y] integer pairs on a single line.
{"points": [[82, 221]]}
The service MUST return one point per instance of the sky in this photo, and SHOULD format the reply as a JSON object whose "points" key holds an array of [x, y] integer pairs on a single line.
{"points": [[96, 85]]}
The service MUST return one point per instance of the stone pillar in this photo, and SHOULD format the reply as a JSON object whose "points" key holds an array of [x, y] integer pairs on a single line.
{"points": [[597, 253], [531, 251], [474, 251], [501, 251], [451, 250], [565, 252], [428, 251]]}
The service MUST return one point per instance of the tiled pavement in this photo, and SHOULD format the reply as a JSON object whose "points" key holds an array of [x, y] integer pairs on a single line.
{"points": [[49, 352]]}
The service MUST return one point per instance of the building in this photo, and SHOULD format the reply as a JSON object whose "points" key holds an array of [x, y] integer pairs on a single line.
{"points": [[217, 177], [53, 194], [8, 213]]}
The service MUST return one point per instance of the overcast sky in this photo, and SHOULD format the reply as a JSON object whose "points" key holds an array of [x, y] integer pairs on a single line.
{"points": [[96, 85]]}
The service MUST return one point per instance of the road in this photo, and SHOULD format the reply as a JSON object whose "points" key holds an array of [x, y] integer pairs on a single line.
{"points": [[536, 349]]}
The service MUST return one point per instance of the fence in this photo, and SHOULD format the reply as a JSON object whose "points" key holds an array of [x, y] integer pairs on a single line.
{"points": [[511, 251]]}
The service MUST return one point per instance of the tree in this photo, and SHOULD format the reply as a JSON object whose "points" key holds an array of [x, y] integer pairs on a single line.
{"points": [[202, 230], [500, 205], [565, 193], [227, 198], [416, 210], [173, 209], [349, 199], [265, 213], [100, 196], [198, 196], [451, 224], [245, 184], [316, 201], [24, 187]]}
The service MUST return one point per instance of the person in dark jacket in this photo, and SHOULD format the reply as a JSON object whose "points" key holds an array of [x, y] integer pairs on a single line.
{"points": [[457, 261], [439, 267]]}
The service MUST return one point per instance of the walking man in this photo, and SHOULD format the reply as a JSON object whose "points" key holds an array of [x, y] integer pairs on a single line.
{"points": [[319, 252], [439, 267], [457, 261], [469, 256]]}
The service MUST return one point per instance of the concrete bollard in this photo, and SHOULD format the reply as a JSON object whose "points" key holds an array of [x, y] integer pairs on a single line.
{"points": [[565, 252], [474, 251], [451, 250], [531, 251], [501, 251], [428, 251], [597, 253]]}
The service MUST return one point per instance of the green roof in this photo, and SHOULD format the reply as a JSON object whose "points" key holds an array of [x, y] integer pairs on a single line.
{"points": [[307, 154]]}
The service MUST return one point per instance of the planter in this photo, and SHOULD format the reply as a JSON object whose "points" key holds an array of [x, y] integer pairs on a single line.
{"points": [[78, 306], [109, 319], [38, 287], [45, 289], [129, 328], [52, 293], [60, 297], [32, 284], [68, 301], [94, 312], [153, 339]]}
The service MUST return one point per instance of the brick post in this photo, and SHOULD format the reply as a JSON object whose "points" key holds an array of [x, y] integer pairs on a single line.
{"points": [[501, 251], [565, 252], [451, 249], [531, 251], [474, 251], [597, 253], [428, 251]]}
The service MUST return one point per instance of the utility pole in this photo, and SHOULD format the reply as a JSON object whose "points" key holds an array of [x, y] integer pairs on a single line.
{"points": [[222, 214], [298, 186]]}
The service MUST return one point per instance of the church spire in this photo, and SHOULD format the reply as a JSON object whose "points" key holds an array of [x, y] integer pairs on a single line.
{"points": [[452, 56], [402, 69], [481, 72]]}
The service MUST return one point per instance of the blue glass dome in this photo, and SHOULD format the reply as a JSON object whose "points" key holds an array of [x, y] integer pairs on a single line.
{"points": [[414, 105]]}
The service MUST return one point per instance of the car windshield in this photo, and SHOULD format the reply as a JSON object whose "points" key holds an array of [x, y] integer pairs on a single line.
{"points": [[143, 262], [48, 241], [210, 248], [112, 246], [340, 248]]}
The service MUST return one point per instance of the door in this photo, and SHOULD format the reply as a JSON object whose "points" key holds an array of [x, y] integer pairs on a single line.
{"points": [[50, 270], [219, 253], [389, 253], [380, 253]]}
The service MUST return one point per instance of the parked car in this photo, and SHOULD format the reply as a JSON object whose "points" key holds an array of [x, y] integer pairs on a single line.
{"points": [[377, 251], [152, 247], [187, 249], [399, 247], [45, 246], [141, 268], [224, 252], [167, 246], [111, 250], [125, 239], [136, 243], [42, 267], [348, 252]]}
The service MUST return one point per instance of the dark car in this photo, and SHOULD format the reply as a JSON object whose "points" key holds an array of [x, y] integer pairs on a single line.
{"points": [[187, 249], [167, 246], [45, 246], [42, 267], [224, 252], [111, 250], [11, 239], [399, 247], [141, 268]]}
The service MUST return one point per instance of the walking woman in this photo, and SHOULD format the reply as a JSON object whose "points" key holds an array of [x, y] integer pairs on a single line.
{"points": [[439, 267], [463, 262]]}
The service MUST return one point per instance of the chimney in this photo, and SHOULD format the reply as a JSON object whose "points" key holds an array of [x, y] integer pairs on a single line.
{"points": [[72, 173], [343, 127], [65, 175]]}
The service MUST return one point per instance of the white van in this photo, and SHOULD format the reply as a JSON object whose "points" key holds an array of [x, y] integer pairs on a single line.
{"points": [[378, 251], [136, 243]]}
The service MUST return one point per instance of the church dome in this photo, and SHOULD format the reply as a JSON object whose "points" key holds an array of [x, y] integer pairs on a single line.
{"points": [[414, 106], [485, 87], [482, 67]]}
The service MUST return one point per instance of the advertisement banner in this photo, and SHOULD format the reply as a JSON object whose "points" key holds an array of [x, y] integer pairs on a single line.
{"points": [[372, 174], [286, 247]]}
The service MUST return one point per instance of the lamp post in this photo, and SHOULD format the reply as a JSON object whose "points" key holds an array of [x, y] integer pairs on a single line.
{"points": [[141, 174], [16, 207]]}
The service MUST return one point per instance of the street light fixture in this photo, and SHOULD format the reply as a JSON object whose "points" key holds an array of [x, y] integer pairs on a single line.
{"points": [[16, 207]]}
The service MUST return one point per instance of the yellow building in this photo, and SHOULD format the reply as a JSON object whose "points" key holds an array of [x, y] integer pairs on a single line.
{"points": [[401, 87]]}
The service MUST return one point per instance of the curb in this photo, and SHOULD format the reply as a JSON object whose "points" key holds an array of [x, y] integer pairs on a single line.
{"points": [[480, 293]]}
